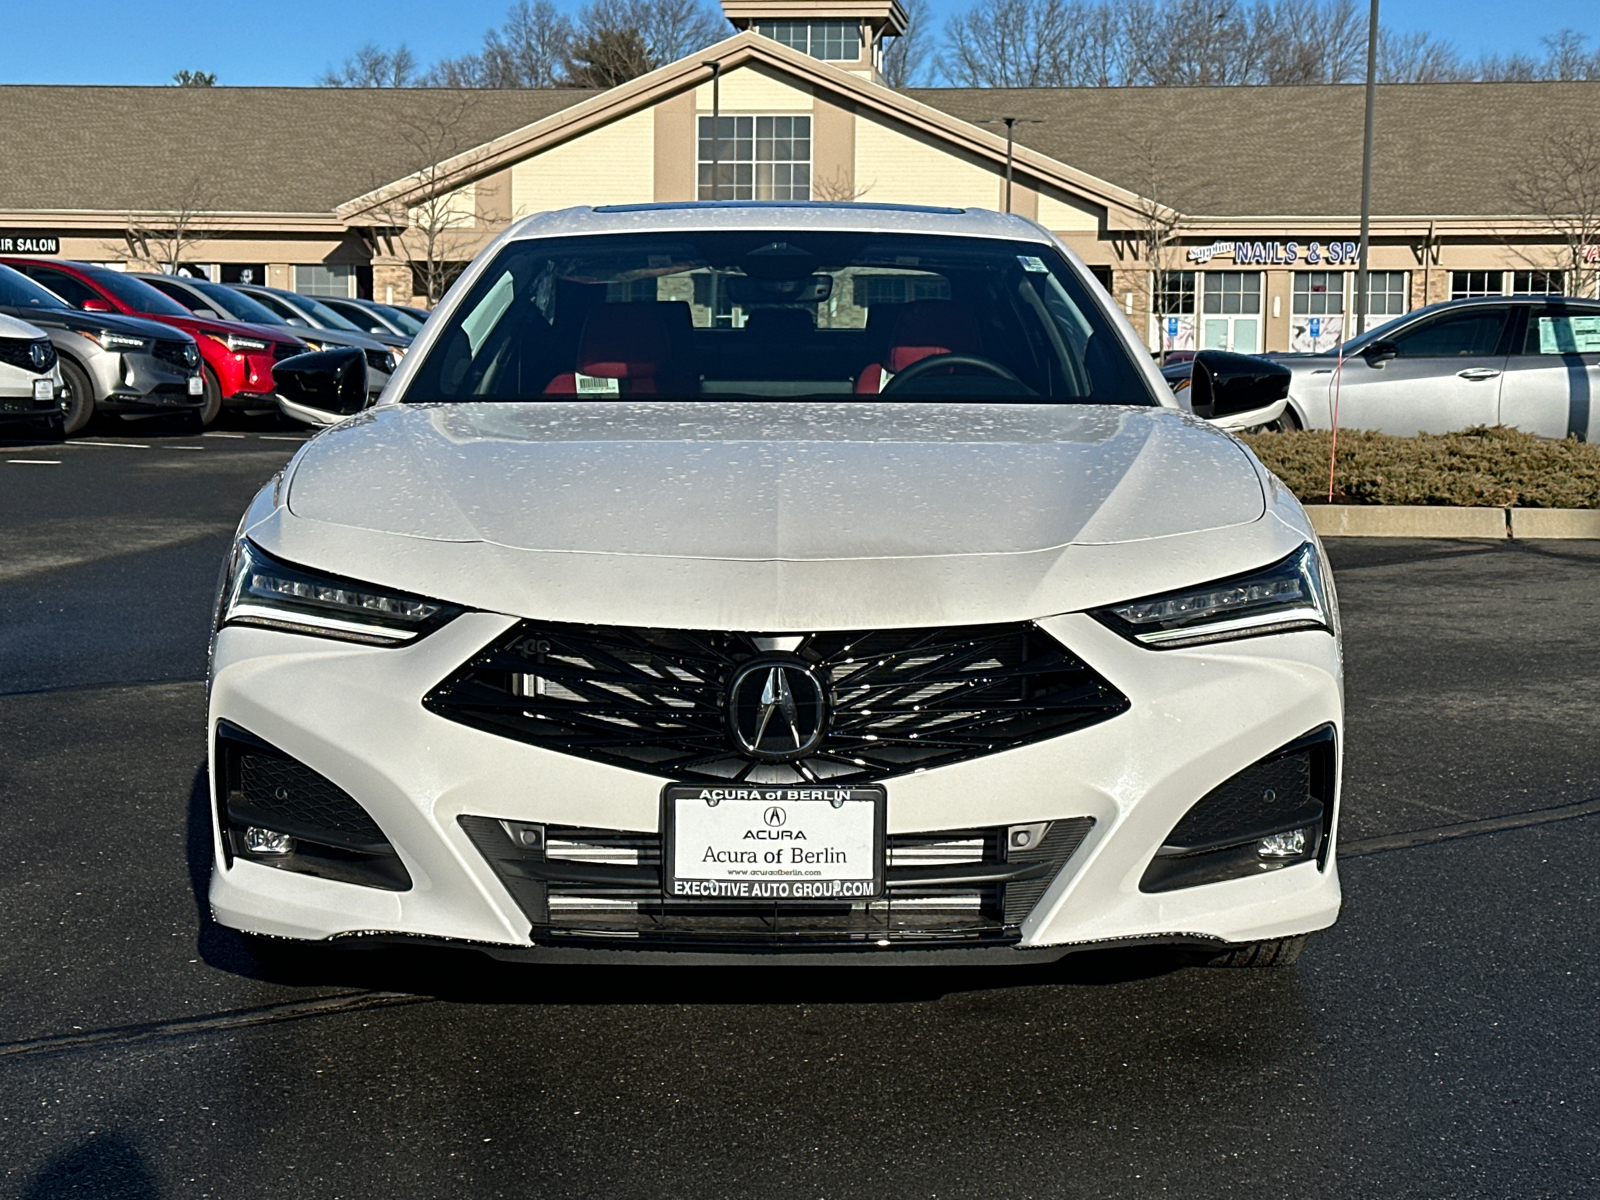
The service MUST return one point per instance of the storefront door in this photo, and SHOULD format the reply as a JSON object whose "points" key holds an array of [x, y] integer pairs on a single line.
{"points": [[1231, 312]]}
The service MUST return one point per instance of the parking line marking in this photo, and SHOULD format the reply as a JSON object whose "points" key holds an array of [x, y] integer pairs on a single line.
{"points": [[43, 462], [183, 447], [227, 435], [113, 445], [269, 437]]}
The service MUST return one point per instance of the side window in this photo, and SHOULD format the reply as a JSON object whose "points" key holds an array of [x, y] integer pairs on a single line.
{"points": [[1474, 333], [63, 285], [181, 295], [1562, 331], [277, 306]]}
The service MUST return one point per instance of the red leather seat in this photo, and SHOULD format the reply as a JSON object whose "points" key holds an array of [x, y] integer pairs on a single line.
{"points": [[635, 343], [924, 329]]}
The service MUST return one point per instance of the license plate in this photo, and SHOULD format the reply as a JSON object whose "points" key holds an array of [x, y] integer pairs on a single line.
{"points": [[197, 386], [765, 844], [44, 389]]}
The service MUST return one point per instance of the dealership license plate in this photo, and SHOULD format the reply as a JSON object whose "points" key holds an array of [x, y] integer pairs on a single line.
{"points": [[43, 389], [197, 386], [773, 843]]}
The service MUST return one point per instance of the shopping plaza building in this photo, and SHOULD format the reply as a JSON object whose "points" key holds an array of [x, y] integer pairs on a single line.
{"points": [[1242, 201]]}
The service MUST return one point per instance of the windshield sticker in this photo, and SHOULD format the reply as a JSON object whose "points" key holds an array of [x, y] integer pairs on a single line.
{"points": [[1034, 266], [1569, 335], [594, 385]]}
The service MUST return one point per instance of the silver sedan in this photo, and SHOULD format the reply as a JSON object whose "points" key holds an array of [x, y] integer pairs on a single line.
{"points": [[1532, 362]]}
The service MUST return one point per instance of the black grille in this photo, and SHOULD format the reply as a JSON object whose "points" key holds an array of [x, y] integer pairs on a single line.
{"points": [[1266, 797], [380, 360], [18, 352], [282, 350], [654, 700], [179, 354], [291, 797], [955, 887]]}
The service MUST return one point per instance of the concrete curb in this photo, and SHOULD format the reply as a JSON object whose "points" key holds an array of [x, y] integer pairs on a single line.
{"points": [[1438, 521]]}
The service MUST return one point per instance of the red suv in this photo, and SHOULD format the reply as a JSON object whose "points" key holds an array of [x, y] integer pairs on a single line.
{"points": [[236, 359]]}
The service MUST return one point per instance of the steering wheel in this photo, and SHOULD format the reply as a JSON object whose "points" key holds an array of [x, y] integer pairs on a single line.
{"points": [[928, 365]]}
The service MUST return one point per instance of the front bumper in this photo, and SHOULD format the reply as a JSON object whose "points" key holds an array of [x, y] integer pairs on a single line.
{"points": [[355, 715]]}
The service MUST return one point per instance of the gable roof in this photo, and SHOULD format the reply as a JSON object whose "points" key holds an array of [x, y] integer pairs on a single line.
{"points": [[1439, 150], [258, 149]]}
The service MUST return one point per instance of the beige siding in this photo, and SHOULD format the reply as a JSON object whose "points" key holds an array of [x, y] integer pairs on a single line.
{"points": [[460, 210], [896, 165], [613, 164], [757, 90], [1063, 213]]}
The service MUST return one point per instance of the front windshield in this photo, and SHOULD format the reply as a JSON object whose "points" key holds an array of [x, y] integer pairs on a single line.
{"points": [[138, 295], [18, 291], [236, 304], [768, 315], [400, 317]]}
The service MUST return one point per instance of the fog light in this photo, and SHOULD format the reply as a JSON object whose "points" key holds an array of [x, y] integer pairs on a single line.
{"points": [[267, 841], [1285, 845], [528, 837]]}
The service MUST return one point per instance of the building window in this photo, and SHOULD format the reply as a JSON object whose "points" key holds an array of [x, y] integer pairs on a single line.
{"points": [[1318, 293], [319, 279], [1231, 304], [1175, 293], [898, 289], [1536, 283], [1388, 294], [831, 41], [1474, 283], [756, 158]]}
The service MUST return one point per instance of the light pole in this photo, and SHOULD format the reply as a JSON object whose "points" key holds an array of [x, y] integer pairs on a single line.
{"points": [[1363, 276], [1011, 124], [716, 125]]}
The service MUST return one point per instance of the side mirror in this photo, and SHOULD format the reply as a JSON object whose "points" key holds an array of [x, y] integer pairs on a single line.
{"points": [[1232, 385], [322, 387], [95, 304], [1379, 353]]}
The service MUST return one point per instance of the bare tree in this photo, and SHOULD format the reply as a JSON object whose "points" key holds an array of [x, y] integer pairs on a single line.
{"points": [[372, 66], [1023, 43], [839, 187], [1558, 183], [608, 57], [164, 238], [427, 222], [529, 50], [1160, 225], [906, 58], [670, 29], [1416, 58]]}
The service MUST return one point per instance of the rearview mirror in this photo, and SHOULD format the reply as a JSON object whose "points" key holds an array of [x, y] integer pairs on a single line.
{"points": [[322, 387], [95, 304], [1228, 385], [1379, 353]]}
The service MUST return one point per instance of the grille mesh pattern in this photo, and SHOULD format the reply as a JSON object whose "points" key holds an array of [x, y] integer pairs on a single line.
{"points": [[301, 799], [1272, 792], [176, 353], [16, 352], [654, 700]]}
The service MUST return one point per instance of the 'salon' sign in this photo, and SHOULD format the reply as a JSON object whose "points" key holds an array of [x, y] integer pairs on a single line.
{"points": [[30, 243]]}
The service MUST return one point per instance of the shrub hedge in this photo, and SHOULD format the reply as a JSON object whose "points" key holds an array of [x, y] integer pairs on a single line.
{"points": [[1489, 465]]}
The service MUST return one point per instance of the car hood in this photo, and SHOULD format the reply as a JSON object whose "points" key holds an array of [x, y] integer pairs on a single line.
{"points": [[783, 481], [11, 327], [199, 325], [78, 321], [776, 515]]}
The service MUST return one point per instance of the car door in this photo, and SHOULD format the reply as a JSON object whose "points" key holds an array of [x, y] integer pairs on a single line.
{"points": [[1445, 375], [1553, 375]]}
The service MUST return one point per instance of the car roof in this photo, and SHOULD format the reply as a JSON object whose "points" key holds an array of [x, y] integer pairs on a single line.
{"points": [[778, 216]]}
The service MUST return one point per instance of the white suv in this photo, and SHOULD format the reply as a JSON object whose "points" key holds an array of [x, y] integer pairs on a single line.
{"points": [[30, 376]]}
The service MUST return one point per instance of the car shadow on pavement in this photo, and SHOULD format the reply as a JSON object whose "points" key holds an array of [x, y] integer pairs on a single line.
{"points": [[102, 1165], [468, 976]]}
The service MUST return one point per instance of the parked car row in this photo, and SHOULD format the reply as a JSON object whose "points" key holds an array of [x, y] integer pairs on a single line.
{"points": [[140, 345]]}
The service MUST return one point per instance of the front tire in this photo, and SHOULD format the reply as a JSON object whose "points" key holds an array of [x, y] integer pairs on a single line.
{"points": [[80, 397], [1279, 952], [213, 404]]}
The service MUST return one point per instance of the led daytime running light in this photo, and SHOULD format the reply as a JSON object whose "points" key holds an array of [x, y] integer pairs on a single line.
{"points": [[1286, 596]]}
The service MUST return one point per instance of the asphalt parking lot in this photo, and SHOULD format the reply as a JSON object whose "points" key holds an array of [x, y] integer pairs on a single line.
{"points": [[1439, 1042]]}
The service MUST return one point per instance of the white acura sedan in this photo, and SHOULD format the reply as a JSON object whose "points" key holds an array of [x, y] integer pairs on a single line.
{"points": [[804, 583]]}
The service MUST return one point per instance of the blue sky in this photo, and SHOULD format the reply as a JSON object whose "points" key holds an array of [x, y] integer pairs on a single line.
{"points": [[291, 41]]}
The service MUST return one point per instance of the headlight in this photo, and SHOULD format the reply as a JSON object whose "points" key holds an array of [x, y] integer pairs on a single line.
{"points": [[314, 344], [1287, 595], [239, 344], [108, 340], [399, 352], [258, 590]]}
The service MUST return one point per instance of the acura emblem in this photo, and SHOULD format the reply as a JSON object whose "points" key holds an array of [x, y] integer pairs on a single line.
{"points": [[777, 709], [38, 355]]}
